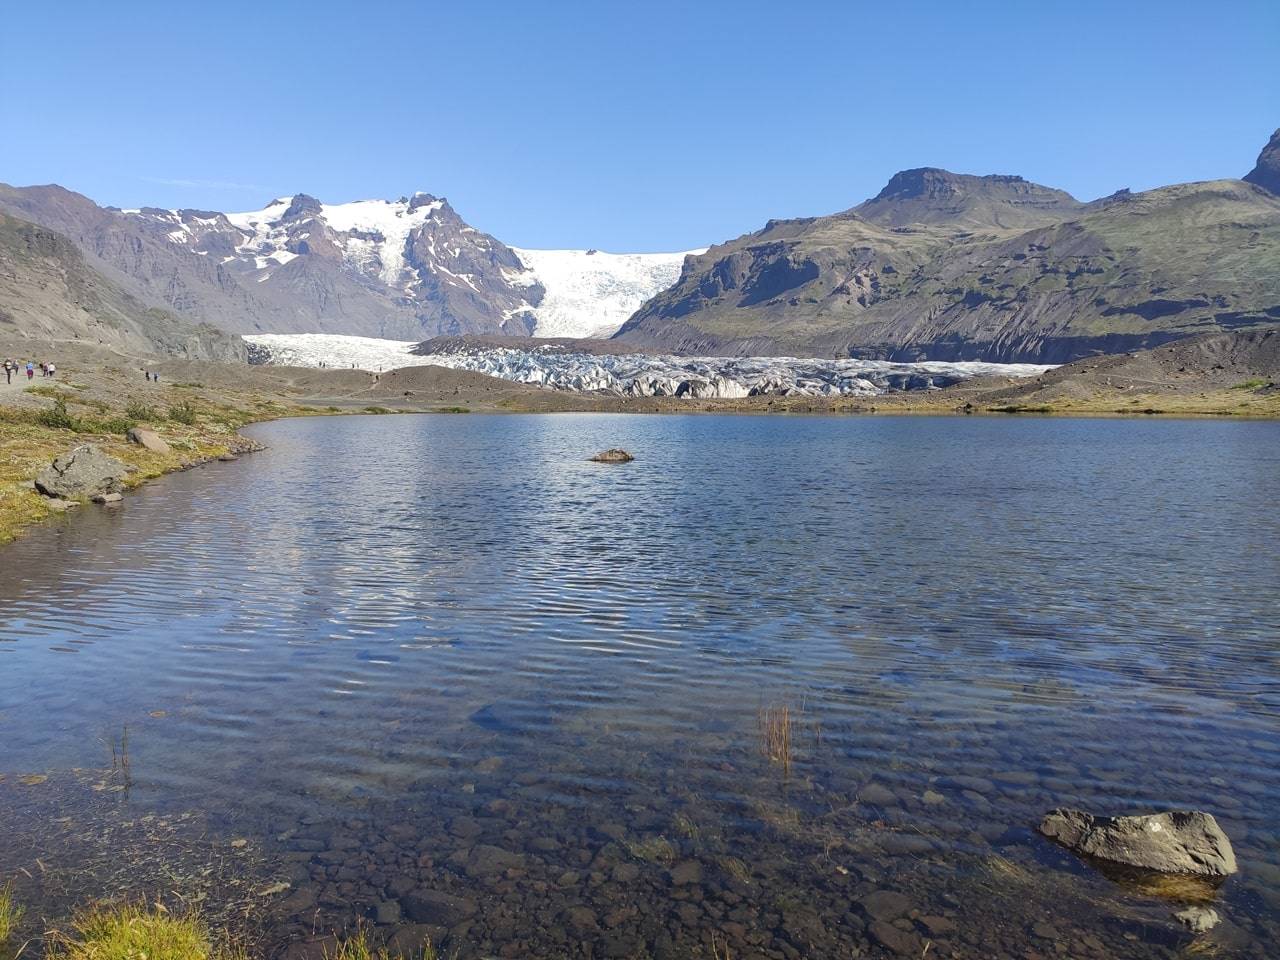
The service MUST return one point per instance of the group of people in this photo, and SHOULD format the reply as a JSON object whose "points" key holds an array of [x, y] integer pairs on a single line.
{"points": [[14, 366]]}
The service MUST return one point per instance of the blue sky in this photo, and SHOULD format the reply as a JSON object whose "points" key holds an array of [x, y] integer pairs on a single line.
{"points": [[625, 126]]}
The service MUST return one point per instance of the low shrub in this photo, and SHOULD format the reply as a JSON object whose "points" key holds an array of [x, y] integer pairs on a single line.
{"points": [[183, 412]]}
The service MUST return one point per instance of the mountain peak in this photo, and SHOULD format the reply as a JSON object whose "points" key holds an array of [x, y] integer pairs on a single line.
{"points": [[302, 205], [421, 199], [932, 183], [931, 195], [1266, 173]]}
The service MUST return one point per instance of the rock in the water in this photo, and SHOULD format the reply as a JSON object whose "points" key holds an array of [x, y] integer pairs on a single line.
{"points": [[147, 439], [1198, 919], [53, 503], [84, 472], [108, 497], [1179, 841], [437, 907], [615, 455]]}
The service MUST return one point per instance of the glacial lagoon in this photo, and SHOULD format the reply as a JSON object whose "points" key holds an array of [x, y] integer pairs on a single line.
{"points": [[443, 676]]}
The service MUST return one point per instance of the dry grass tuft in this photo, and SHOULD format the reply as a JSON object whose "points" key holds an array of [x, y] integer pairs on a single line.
{"points": [[357, 947], [776, 721]]}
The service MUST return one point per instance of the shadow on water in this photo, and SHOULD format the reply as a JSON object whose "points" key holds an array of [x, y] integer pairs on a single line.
{"points": [[777, 689]]}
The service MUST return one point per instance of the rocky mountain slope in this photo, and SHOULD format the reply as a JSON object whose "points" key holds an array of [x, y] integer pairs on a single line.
{"points": [[49, 292], [404, 269], [951, 267]]}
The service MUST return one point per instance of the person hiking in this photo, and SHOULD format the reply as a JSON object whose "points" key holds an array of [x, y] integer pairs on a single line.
{"points": [[52, 370], [31, 370], [8, 371]]}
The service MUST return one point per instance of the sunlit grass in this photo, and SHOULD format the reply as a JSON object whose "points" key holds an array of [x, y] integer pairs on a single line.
{"points": [[357, 947], [10, 916], [136, 932]]}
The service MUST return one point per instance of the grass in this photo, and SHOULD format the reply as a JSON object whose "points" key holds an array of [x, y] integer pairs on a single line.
{"points": [[775, 734], [136, 932], [183, 412], [10, 917], [357, 947], [1250, 385]]}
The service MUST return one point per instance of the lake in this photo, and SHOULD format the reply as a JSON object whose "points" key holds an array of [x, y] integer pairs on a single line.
{"points": [[782, 687]]}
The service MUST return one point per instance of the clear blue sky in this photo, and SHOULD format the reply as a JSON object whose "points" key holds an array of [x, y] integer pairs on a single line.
{"points": [[625, 125]]}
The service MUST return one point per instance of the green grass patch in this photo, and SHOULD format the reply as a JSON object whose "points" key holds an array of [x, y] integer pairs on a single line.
{"points": [[135, 932], [1250, 385], [137, 410], [451, 410], [10, 917], [183, 412], [376, 410], [1016, 408]]}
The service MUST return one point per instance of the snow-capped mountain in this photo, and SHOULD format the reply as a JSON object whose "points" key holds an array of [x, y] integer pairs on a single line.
{"points": [[408, 268]]}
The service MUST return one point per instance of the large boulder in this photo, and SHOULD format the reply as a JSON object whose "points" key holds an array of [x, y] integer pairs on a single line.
{"points": [[1179, 841], [84, 472], [148, 440]]}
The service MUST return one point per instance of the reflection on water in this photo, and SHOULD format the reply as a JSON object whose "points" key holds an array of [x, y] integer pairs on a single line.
{"points": [[444, 674]]}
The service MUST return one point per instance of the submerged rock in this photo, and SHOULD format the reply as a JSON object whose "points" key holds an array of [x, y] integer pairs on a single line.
{"points": [[84, 472], [1198, 919], [615, 455], [1180, 841]]}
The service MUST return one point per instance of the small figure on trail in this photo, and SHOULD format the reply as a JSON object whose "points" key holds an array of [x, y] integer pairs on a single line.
{"points": [[52, 369], [147, 374], [31, 370], [8, 371]]}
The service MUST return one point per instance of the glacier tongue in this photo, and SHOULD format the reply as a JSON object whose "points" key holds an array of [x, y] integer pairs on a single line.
{"points": [[590, 293], [633, 375]]}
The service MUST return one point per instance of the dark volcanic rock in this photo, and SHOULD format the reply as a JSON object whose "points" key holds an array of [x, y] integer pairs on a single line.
{"points": [[1185, 842], [1266, 173]]}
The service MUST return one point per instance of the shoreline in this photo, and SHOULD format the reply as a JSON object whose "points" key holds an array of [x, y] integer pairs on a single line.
{"points": [[103, 393]]}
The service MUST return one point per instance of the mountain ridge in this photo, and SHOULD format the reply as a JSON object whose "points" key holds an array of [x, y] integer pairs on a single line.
{"points": [[946, 266], [408, 269]]}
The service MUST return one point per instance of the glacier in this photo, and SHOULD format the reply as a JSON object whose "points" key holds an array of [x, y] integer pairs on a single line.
{"points": [[590, 293], [562, 367]]}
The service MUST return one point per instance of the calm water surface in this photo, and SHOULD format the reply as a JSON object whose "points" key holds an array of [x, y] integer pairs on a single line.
{"points": [[442, 675]]}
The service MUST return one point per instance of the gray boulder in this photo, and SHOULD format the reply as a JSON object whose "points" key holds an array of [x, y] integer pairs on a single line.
{"points": [[148, 439], [1179, 841], [84, 472]]}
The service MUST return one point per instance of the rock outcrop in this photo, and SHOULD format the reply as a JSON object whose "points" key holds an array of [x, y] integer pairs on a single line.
{"points": [[1266, 172], [1180, 841], [85, 472]]}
